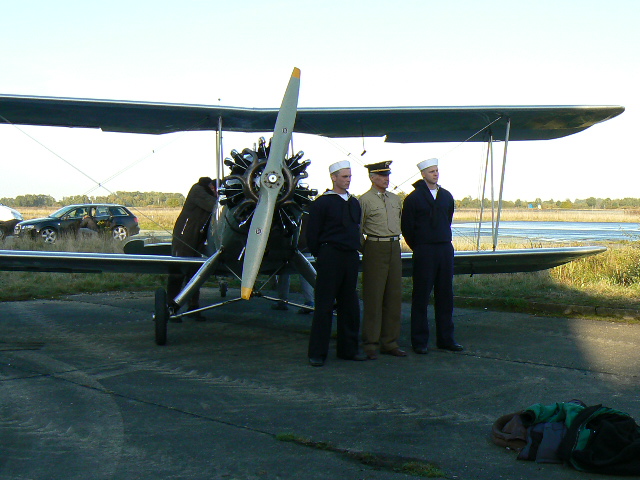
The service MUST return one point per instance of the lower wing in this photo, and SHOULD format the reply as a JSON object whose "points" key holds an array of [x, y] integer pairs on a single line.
{"points": [[465, 262]]}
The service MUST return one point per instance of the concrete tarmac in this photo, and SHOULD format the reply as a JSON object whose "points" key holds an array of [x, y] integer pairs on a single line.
{"points": [[86, 393]]}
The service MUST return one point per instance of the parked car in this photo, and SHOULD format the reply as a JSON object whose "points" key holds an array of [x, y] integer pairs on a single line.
{"points": [[8, 220], [114, 220]]}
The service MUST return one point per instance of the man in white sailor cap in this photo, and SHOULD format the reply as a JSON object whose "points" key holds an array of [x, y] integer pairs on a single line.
{"points": [[333, 238], [426, 226]]}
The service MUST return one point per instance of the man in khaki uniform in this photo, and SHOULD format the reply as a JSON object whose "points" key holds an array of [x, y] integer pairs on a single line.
{"points": [[381, 265]]}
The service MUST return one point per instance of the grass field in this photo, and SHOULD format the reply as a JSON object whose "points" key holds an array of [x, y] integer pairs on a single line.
{"points": [[611, 279], [149, 218], [161, 218]]}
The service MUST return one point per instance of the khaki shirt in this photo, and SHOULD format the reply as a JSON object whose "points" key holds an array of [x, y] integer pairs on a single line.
{"points": [[380, 213]]}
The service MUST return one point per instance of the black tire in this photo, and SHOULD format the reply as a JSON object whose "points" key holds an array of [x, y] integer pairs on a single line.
{"points": [[161, 316], [223, 288], [49, 235]]}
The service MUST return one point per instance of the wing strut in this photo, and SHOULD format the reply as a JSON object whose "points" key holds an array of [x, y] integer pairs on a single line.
{"points": [[489, 167], [504, 164], [484, 188], [219, 176]]}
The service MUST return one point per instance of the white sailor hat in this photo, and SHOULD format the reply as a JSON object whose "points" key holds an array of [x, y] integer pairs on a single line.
{"points": [[334, 167], [427, 163]]}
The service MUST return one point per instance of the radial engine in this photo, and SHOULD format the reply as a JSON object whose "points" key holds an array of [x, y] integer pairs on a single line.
{"points": [[240, 190]]}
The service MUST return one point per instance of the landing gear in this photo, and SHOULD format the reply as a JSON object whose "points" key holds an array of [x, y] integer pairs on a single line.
{"points": [[161, 316], [223, 288]]}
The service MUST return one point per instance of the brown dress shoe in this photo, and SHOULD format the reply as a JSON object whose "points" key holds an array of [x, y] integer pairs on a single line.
{"points": [[396, 352]]}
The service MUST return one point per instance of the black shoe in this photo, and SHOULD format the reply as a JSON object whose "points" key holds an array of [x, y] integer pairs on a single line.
{"points": [[280, 306], [358, 357], [421, 350], [454, 347], [316, 362]]}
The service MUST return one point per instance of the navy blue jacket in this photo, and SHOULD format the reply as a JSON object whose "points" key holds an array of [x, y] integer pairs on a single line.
{"points": [[334, 221], [425, 219]]}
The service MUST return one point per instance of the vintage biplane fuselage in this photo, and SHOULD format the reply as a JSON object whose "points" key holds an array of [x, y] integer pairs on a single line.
{"points": [[256, 226]]}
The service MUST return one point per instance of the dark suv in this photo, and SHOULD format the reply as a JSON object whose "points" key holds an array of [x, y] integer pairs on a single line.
{"points": [[114, 220]]}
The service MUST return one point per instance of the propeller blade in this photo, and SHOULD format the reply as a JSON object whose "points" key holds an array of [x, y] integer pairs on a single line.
{"points": [[271, 182]]}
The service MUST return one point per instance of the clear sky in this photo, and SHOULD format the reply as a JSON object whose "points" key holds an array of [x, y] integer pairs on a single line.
{"points": [[355, 53]]}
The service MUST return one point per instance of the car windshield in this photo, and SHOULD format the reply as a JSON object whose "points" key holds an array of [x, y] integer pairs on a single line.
{"points": [[62, 212]]}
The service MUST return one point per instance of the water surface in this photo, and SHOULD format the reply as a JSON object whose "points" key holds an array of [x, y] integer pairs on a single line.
{"points": [[553, 231]]}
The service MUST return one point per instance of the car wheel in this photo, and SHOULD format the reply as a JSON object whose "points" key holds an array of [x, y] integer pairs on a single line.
{"points": [[120, 233], [49, 235]]}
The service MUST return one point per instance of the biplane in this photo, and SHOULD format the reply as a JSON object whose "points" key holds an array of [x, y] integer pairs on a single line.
{"points": [[256, 224]]}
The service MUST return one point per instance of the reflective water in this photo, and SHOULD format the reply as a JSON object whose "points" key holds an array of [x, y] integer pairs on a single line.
{"points": [[553, 231]]}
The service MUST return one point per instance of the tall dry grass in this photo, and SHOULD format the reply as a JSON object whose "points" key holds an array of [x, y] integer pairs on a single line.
{"points": [[610, 279], [149, 218], [163, 218], [550, 215]]}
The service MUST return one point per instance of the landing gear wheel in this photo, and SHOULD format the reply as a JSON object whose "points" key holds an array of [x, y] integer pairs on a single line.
{"points": [[161, 316], [223, 288]]}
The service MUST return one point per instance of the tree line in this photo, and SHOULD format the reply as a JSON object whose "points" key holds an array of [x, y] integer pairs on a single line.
{"points": [[172, 200], [130, 199], [577, 204]]}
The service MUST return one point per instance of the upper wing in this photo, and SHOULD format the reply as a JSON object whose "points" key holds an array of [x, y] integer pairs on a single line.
{"points": [[465, 262], [398, 124]]}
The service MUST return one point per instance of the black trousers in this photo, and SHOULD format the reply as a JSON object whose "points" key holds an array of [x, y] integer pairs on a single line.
{"points": [[432, 270], [176, 281], [337, 277]]}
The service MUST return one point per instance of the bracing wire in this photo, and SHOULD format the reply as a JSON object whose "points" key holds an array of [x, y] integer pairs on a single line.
{"points": [[456, 146], [96, 182], [355, 158]]}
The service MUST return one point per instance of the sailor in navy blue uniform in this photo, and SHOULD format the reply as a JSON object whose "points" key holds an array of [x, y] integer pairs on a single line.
{"points": [[333, 238], [426, 226]]}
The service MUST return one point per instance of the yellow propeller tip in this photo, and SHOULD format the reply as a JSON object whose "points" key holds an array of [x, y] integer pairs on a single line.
{"points": [[296, 72], [246, 293]]}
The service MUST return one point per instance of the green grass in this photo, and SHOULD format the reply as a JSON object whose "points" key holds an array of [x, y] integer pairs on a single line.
{"points": [[378, 461], [611, 279], [28, 285]]}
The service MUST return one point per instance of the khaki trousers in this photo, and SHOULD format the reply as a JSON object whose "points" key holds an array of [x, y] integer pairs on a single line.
{"points": [[382, 295]]}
